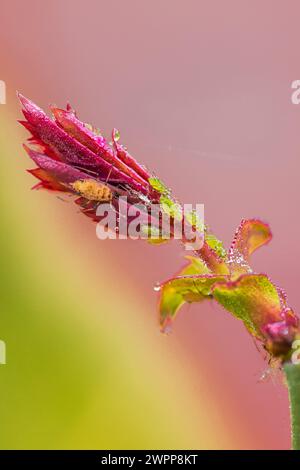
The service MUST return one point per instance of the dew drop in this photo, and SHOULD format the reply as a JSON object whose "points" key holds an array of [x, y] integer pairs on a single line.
{"points": [[157, 287], [116, 135]]}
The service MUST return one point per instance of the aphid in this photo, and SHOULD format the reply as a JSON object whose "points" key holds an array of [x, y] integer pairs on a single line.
{"points": [[93, 190]]}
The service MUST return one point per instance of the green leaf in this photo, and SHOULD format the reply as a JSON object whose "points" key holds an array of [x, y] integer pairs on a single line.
{"points": [[250, 235], [177, 291], [194, 287], [253, 299], [169, 304]]}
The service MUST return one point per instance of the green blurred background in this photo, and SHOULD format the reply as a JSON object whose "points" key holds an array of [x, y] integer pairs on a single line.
{"points": [[82, 370]]}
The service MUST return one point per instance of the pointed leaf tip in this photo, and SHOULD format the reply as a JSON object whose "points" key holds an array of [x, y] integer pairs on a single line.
{"points": [[250, 235]]}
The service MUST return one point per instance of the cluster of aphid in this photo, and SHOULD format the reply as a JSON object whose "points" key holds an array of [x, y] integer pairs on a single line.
{"points": [[93, 190]]}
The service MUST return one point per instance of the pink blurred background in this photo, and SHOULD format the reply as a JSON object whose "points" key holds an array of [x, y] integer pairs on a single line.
{"points": [[201, 93]]}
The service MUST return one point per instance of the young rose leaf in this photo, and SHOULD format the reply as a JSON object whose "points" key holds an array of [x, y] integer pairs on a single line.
{"points": [[195, 287], [253, 299], [170, 299], [193, 284], [250, 235]]}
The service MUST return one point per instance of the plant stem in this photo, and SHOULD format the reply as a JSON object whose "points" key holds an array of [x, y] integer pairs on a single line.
{"points": [[292, 372]]}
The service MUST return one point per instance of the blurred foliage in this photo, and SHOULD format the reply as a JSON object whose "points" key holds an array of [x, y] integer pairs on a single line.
{"points": [[73, 378]]}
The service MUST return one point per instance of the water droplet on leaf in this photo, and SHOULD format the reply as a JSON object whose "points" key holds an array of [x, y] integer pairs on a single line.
{"points": [[116, 135]]}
